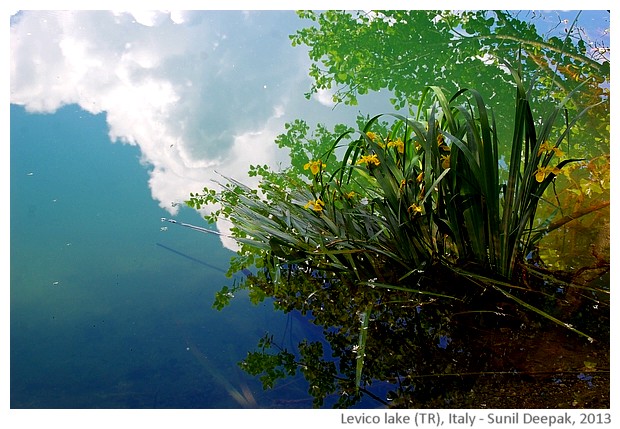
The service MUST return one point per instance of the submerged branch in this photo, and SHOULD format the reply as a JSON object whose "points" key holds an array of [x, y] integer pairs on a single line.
{"points": [[573, 216]]}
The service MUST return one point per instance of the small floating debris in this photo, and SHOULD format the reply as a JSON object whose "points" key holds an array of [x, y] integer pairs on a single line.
{"points": [[163, 228], [30, 174], [55, 283]]}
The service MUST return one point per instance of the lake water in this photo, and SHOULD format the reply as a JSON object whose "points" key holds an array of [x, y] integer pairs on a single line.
{"points": [[108, 310], [109, 306]]}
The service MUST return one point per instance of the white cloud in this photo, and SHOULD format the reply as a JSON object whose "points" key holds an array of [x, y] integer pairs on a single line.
{"points": [[195, 90], [149, 18], [325, 97], [198, 92]]}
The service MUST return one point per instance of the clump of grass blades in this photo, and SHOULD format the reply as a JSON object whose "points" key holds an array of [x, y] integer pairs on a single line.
{"points": [[426, 192]]}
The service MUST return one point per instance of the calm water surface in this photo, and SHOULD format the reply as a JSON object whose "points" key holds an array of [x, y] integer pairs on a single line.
{"points": [[110, 307], [108, 310]]}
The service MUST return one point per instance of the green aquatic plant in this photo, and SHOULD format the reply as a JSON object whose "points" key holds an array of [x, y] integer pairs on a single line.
{"points": [[408, 197], [428, 191], [490, 221], [354, 53], [381, 218]]}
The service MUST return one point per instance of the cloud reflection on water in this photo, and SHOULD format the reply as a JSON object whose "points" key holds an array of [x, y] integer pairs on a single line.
{"points": [[202, 93]]}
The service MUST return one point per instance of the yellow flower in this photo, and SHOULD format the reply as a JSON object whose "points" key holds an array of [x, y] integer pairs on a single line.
{"points": [[546, 147], [375, 138], [439, 139], [349, 195], [398, 144], [543, 172], [540, 174], [314, 166], [420, 177], [414, 208], [372, 136], [369, 160], [402, 184], [445, 161], [557, 152], [317, 205]]}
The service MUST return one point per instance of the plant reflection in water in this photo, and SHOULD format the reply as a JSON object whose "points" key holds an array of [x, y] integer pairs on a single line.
{"points": [[419, 351]]}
